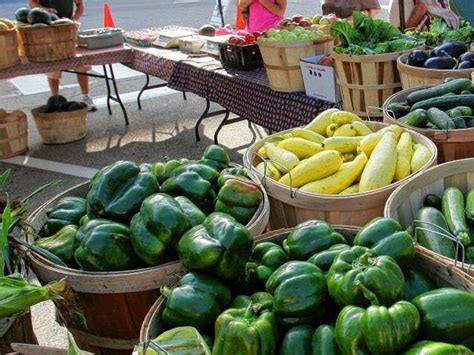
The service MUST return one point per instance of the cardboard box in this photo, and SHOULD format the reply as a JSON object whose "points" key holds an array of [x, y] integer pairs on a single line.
{"points": [[319, 80]]}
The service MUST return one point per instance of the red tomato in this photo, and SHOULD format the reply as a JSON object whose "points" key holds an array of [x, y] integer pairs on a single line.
{"points": [[256, 34], [250, 38]]}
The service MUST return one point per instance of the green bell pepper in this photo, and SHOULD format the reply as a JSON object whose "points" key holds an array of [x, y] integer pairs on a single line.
{"points": [[84, 219], [325, 258], [106, 247], [305, 340], [193, 186], [299, 292], [239, 198], [266, 258], [157, 228], [220, 245], [356, 270], [230, 173], [197, 300], [162, 171], [243, 301], [416, 283], [69, 210], [194, 215], [60, 244], [245, 331], [426, 347], [385, 236], [216, 157], [309, 238], [206, 172], [117, 191], [377, 329], [447, 314], [85, 229]]}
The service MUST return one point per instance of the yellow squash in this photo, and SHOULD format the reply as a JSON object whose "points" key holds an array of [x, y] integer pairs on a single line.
{"points": [[380, 168], [353, 189], [361, 128], [262, 152], [404, 154], [307, 134], [346, 130], [281, 158], [340, 180], [317, 167], [302, 148], [331, 129], [370, 141], [320, 123], [271, 170], [343, 117], [342, 144], [421, 156]]}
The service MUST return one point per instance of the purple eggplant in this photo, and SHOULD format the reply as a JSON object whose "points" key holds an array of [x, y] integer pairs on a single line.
{"points": [[417, 58]]}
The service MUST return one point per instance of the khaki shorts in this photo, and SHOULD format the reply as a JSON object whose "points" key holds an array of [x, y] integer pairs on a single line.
{"points": [[57, 74]]}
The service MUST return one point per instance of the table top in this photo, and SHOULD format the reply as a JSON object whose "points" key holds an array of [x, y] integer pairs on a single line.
{"points": [[84, 56]]}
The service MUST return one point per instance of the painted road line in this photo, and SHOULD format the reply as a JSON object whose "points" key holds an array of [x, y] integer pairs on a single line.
{"points": [[31, 84], [132, 96], [120, 71], [48, 165]]}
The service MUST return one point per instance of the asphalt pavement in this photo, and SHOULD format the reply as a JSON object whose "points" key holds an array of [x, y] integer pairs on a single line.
{"points": [[164, 128]]}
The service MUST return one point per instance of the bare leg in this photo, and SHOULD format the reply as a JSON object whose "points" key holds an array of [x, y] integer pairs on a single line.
{"points": [[53, 86], [83, 81]]}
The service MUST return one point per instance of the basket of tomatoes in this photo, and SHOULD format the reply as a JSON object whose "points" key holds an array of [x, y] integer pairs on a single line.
{"points": [[241, 51]]}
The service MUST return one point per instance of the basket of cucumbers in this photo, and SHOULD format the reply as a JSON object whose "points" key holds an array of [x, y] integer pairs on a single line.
{"points": [[438, 205], [444, 113]]}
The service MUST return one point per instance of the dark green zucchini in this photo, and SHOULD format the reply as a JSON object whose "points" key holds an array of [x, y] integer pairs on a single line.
{"points": [[459, 122], [453, 210], [445, 103], [432, 200], [466, 92], [417, 118], [429, 236], [416, 283], [430, 125], [469, 121], [454, 86], [465, 110], [399, 109], [470, 206], [440, 119]]}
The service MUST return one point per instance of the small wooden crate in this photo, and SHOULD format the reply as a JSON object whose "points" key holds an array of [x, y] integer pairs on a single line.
{"points": [[282, 61], [13, 137], [9, 49], [412, 76], [406, 200], [61, 127], [20, 331], [452, 145], [289, 206], [366, 81], [49, 44]]}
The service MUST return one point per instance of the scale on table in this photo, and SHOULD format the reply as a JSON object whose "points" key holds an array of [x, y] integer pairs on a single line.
{"points": [[212, 45], [192, 44], [170, 38]]}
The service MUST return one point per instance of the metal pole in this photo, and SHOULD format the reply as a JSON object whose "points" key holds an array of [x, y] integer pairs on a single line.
{"points": [[221, 12], [401, 6]]}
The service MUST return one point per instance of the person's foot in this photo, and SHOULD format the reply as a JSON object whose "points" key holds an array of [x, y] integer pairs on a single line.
{"points": [[90, 103]]}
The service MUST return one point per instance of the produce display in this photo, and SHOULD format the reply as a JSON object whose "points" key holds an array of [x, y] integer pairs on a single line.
{"points": [[371, 299], [58, 103], [290, 35], [38, 17], [439, 32], [449, 55], [337, 153], [139, 215], [366, 36], [317, 21], [12, 116], [446, 222], [243, 37], [445, 106]]}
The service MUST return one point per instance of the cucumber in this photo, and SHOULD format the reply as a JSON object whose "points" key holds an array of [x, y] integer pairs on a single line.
{"points": [[429, 125], [445, 103], [453, 86], [453, 210], [428, 238], [466, 92], [459, 122], [465, 110], [432, 200], [417, 118], [454, 112], [457, 116], [399, 109], [469, 255], [440, 119], [470, 206]]}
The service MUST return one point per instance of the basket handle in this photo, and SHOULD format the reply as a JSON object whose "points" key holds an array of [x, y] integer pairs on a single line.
{"points": [[380, 109]]}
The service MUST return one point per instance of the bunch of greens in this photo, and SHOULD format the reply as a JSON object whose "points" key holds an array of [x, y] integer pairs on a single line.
{"points": [[439, 32], [370, 36]]}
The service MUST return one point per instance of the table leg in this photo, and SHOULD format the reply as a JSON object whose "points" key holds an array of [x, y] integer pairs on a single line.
{"points": [[203, 116], [107, 84], [117, 95], [142, 91], [222, 124], [184, 95]]}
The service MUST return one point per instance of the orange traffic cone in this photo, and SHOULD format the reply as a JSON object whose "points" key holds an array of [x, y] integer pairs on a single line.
{"points": [[239, 20], [108, 18]]}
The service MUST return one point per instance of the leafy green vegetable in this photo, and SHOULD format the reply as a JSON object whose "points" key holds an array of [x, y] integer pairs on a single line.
{"points": [[368, 36], [439, 32]]}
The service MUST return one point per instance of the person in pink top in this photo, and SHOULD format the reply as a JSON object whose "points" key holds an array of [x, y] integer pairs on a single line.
{"points": [[263, 14]]}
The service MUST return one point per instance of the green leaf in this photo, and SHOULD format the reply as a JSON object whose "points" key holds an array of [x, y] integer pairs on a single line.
{"points": [[4, 251], [39, 189], [72, 347], [4, 177], [40, 251]]}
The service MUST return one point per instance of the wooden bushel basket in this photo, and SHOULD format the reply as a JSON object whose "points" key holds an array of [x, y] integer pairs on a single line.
{"points": [[406, 200], [441, 274], [366, 81], [9, 45], [282, 61], [49, 44], [20, 331], [61, 127], [452, 144], [412, 76], [289, 207], [13, 137]]}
